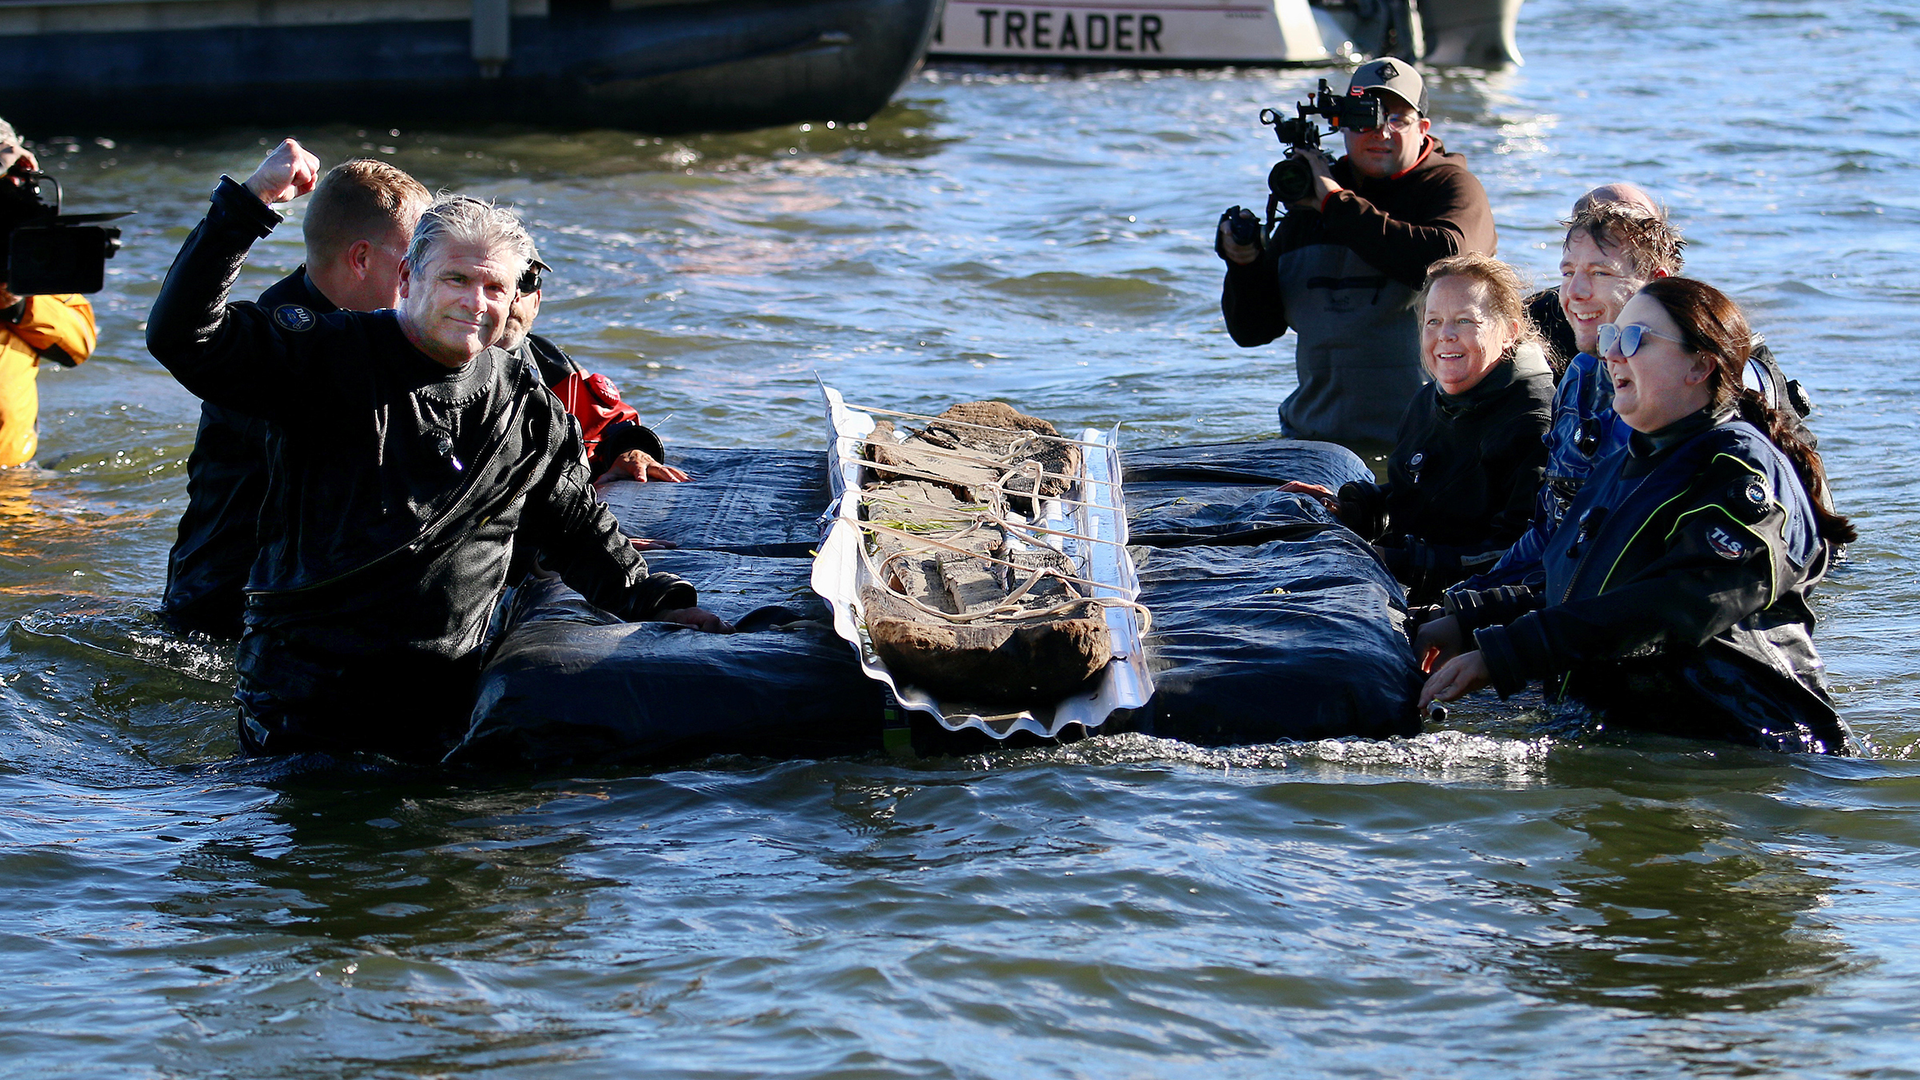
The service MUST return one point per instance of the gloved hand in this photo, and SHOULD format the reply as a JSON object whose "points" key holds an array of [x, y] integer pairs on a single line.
{"points": [[1238, 240]]}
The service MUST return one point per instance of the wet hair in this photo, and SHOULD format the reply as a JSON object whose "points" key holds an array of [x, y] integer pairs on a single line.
{"points": [[464, 219], [1650, 244], [1500, 284], [362, 199], [1712, 326]]}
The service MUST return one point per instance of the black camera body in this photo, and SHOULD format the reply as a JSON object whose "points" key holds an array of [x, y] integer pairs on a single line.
{"points": [[43, 252], [1292, 178]]}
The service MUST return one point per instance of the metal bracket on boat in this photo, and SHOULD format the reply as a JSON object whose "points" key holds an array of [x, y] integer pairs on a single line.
{"points": [[492, 36]]}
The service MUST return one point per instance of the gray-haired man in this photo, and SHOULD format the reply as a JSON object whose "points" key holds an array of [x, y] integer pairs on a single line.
{"points": [[358, 221], [406, 455]]}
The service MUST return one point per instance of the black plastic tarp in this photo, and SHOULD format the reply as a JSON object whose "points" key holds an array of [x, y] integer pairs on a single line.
{"points": [[569, 683], [755, 502], [1270, 620]]}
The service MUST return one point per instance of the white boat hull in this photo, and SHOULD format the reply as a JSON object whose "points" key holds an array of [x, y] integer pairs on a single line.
{"points": [[1154, 32], [1168, 33]]}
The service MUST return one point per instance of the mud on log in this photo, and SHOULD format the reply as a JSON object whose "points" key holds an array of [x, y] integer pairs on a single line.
{"points": [[970, 609]]}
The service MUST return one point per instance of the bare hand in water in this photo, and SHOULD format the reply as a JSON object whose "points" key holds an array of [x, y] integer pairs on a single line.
{"points": [[1457, 678], [1437, 641]]}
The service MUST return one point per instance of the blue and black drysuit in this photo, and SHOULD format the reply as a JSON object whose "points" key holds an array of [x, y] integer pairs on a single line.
{"points": [[1582, 431], [1676, 596]]}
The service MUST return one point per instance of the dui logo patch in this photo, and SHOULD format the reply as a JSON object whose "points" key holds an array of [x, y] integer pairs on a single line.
{"points": [[1725, 544], [294, 317]]}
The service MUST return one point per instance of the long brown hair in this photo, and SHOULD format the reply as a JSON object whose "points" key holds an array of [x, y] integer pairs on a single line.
{"points": [[1714, 328]]}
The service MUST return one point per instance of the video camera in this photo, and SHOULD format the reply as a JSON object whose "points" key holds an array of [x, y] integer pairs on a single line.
{"points": [[1292, 178], [42, 252]]}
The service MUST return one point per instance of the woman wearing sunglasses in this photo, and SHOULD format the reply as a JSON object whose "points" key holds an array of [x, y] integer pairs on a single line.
{"points": [[1676, 595], [1466, 465]]}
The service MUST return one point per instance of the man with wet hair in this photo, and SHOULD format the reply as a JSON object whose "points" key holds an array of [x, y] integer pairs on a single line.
{"points": [[1544, 307], [1610, 250], [358, 223], [59, 328], [406, 455], [1344, 266]]}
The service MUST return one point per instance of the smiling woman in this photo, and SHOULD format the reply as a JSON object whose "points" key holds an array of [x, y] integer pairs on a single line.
{"points": [[1677, 595], [1467, 463]]}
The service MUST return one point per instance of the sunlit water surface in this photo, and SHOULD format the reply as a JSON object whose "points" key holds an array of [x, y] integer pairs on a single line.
{"points": [[1482, 901]]}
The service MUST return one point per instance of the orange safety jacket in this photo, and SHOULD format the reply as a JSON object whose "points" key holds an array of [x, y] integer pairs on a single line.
{"points": [[59, 328]]}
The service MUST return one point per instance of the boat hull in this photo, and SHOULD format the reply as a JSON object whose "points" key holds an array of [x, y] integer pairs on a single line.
{"points": [[1166, 32], [1178, 33], [659, 68]]}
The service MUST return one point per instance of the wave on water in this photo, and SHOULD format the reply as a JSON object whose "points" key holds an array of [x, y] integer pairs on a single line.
{"points": [[1450, 754]]}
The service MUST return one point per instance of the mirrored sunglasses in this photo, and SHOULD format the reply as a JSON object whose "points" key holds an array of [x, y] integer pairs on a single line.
{"points": [[1628, 338]]}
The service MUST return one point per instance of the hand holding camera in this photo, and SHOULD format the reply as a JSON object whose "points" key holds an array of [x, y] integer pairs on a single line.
{"points": [[1240, 238], [1319, 177]]}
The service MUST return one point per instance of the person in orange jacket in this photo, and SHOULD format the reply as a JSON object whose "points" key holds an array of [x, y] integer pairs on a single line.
{"points": [[32, 328]]}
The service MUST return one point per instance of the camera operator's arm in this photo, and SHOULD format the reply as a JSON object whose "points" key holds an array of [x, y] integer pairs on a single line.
{"points": [[1438, 212], [57, 328], [1250, 299]]}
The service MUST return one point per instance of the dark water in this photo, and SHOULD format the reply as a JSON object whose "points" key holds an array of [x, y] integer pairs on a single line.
{"points": [[1482, 901]]}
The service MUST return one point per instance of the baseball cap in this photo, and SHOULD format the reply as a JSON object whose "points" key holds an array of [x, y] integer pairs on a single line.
{"points": [[1396, 77], [530, 281]]}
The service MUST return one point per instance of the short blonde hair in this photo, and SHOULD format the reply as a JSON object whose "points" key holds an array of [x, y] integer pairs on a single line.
{"points": [[361, 199]]}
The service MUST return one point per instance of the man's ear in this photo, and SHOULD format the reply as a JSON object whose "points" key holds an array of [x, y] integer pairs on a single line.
{"points": [[359, 256], [406, 275]]}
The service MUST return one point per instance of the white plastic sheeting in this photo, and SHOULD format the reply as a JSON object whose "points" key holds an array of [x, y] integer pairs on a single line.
{"points": [[843, 566]]}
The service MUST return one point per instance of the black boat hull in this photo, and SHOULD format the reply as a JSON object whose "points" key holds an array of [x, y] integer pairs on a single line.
{"points": [[662, 69]]}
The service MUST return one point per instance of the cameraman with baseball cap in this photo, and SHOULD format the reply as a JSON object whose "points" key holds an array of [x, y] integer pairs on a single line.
{"points": [[32, 328], [1344, 265]]}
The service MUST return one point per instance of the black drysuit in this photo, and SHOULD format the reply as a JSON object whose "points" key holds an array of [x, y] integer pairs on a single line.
{"points": [[395, 488], [226, 482], [1462, 478]]}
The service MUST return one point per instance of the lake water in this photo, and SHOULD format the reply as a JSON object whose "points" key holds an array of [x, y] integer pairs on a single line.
{"points": [[1480, 901]]}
